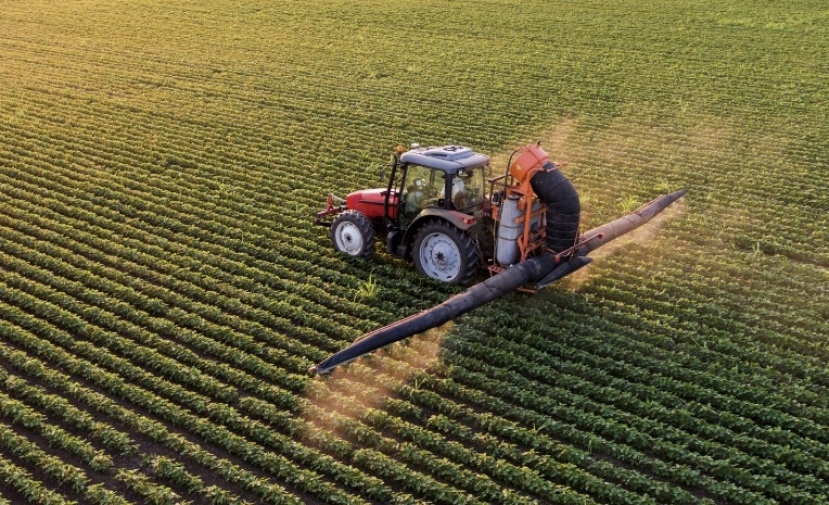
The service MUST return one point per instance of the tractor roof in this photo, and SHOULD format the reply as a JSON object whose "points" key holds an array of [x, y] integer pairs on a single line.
{"points": [[449, 159]]}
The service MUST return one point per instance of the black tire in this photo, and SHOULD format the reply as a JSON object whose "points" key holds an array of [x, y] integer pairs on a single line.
{"points": [[443, 252], [351, 233]]}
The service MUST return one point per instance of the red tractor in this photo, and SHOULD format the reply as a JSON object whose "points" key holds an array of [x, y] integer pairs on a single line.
{"points": [[442, 211]]}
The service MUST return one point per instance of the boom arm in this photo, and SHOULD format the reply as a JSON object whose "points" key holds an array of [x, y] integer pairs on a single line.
{"points": [[543, 269]]}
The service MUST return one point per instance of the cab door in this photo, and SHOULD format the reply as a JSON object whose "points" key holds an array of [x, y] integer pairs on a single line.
{"points": [[420, 188]]}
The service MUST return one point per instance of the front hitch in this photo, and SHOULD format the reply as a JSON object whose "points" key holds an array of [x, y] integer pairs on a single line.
{"points": [[330, 210]]}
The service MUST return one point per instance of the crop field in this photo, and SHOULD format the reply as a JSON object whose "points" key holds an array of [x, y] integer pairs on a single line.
{"points": [[163, 289]]}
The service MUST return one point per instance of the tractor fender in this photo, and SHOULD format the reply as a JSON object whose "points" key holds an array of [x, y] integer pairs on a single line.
{"points": [[457, 219]]}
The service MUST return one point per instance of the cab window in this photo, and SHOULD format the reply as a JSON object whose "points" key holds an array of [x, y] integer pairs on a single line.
{"points": [[468, 189], [421, 189]]}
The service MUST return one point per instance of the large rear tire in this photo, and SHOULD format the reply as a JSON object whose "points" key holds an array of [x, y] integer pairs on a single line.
{"points": [[443, 252], [351, 233]]}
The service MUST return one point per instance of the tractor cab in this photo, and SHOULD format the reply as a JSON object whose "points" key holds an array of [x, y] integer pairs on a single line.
{"points": [[432, 211], [449, 178]]}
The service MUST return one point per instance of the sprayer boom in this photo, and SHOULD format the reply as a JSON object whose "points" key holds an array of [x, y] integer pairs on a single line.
{"points": [[542, 269]]}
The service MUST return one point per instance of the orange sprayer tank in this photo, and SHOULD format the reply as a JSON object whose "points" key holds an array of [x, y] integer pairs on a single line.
{"points": [[532, 157]]}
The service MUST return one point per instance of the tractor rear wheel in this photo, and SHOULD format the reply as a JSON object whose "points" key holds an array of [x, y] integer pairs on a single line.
{"points": [[443, 252], [351, 233]]}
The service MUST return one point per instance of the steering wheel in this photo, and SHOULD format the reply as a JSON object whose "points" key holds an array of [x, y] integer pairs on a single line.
{"points": [[417, 193], [424, 190], [430, 191]]}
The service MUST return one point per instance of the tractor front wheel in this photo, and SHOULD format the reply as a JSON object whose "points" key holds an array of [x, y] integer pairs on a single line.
{"points": [[443, 252], [351, 233]]}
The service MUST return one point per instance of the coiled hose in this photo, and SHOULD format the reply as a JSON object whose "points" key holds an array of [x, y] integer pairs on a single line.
{"points": [[563, 206]]}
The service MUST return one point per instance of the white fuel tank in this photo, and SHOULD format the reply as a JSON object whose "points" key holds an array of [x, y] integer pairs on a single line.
{"points": [[506, 250]]}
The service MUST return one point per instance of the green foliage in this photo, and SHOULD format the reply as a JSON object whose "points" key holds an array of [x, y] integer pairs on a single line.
{"points": [[163, 290], [367, 289]]}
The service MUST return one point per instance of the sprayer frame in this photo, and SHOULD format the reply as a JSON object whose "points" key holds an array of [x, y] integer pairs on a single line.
{"points": [[383, 206], [531, 241]]}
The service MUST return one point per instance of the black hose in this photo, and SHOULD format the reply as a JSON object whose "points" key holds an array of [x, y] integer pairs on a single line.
{"points": [[603, 234], [563, 207], [477, 295]]}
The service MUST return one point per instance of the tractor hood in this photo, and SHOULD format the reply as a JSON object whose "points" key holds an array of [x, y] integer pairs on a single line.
{"points": [[371, 202]]}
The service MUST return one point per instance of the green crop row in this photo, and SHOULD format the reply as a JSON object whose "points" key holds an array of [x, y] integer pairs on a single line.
{"points": [[415, 455], [567, 406], [701, 346], [150, 491], [648, 383], [659, 339], [98, 318], [688, 276], [204, 429], [140, 424], [117, 441], [476, 419], [196, 281], [160, 327], [224, 416], [644, 417], [230, 221], [679, 475], [23, 482], [25, 416], [203, 406], [792, 340], [647, 333], [63, 473], [224, 343], [176, 474], [170, 411], [163, 289]]}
